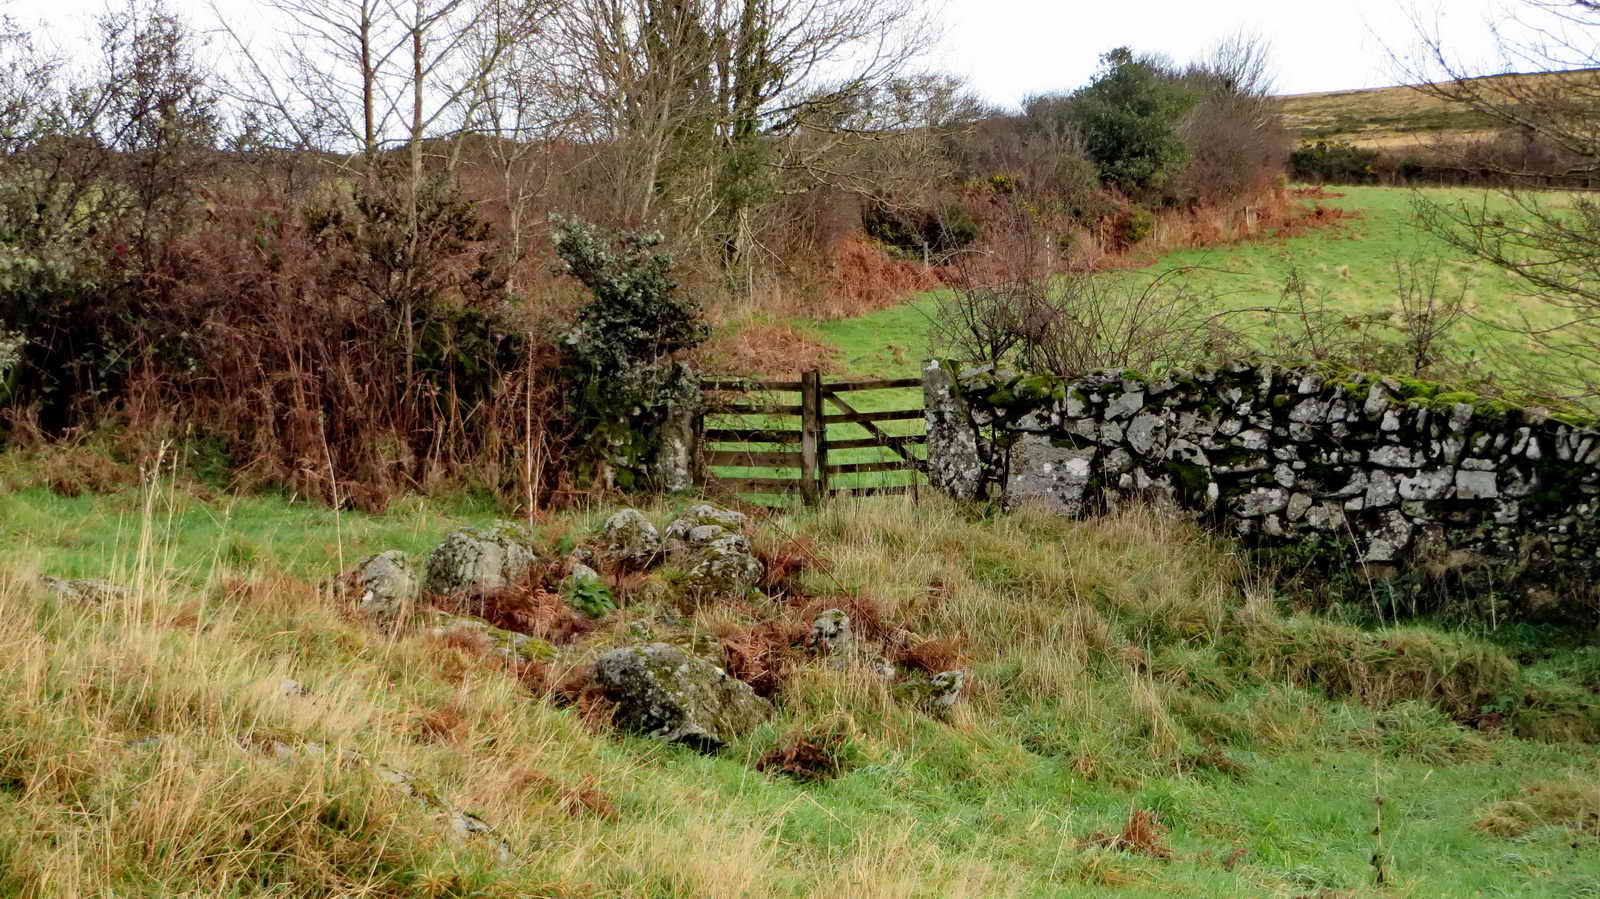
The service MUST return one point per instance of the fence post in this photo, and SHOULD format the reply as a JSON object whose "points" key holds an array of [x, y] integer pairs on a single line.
{"points": [[811, 436]]}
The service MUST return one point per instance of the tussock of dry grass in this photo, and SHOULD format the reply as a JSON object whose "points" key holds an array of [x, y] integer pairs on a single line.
{"points": [[1572, 803]]}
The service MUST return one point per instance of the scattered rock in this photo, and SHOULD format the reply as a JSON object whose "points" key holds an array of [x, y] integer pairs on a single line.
{"points": [[629, 539], [946, 689], [385, 586], [677, 537], [708, 543], [508, 645], [665, 693], [91, 590], [723, 567], [480, 560], [831, 635]]}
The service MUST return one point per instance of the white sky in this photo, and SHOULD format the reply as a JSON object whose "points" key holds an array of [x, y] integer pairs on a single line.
{"points": [[1011, 48]]}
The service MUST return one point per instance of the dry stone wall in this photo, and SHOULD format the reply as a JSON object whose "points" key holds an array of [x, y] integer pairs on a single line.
{"points": [[1399, 475]]}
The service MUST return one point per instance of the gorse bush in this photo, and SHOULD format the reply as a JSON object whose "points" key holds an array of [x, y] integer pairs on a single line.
{"points": [[1129, 116], [619, 353]]}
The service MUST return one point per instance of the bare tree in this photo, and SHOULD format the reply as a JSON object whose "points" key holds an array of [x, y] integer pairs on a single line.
{"points": [[368, 74], [1234, 132], [703, 92], [1551, 244]]}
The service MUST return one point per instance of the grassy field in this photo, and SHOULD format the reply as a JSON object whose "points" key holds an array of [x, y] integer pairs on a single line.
{"points": [[1389, 118], [1351, 263], [1144, 720]]}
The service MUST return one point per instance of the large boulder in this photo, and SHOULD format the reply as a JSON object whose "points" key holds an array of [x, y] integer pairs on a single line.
{"points": [[664, 692], [385, 586], [479, 560], [630, 539]]}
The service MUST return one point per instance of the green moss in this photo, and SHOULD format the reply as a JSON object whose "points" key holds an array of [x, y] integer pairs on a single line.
{"points": [[1233, 457], [1191, 480], [1412, 389]]}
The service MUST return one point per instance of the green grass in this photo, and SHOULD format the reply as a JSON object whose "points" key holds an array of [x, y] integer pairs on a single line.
{"points": [[1116, 665]]}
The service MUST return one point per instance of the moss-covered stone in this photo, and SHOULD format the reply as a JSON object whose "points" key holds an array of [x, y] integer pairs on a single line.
{"points": [[480, 560], [668, 694], [508, 645]]}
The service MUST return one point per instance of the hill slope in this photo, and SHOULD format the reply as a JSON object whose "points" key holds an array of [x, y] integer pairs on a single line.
{"points": [[1391, 117]]}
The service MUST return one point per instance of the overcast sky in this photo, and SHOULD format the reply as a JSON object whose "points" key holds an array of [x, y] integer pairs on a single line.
{"points": [[1012, 48]]}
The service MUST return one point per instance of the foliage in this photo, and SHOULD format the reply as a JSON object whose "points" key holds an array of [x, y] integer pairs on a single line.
{"points": [[635, 320], [618, 354], [589, 596], [1130, 116], [1336, 162], [921, 234]]}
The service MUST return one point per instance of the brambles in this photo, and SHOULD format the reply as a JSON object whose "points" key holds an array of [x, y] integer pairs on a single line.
{"points": [[1079, 323]]}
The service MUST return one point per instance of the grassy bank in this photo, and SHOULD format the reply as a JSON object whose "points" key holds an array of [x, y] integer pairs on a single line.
{"points": [[1143, 717]]}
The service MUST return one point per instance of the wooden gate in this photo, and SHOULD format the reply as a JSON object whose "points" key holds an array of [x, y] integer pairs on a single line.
{"points": [[805, 448]]}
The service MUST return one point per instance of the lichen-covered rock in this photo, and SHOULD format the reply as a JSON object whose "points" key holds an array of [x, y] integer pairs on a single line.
{"points": [[384, 585], [508, 645], [628, 538], [956, 467], [946, 687], [708, 544], [1052, 477], [937, 694], [831, 634], [85, 589], [677, 536], [722, 567], [668, 694], [479, 560]]}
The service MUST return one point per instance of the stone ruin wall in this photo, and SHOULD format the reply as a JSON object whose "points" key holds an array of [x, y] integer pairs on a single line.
{"points": [[1398, 475]]}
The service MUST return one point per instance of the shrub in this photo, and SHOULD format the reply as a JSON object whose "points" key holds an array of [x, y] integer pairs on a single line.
{"points": [[1076, 324], [1134, 226], [1336, 161], [1130, 116], [618, 353], [921, 234]]}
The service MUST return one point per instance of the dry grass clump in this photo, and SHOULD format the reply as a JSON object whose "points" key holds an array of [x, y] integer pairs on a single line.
{"points": [[1457, 673], [811, 756], [1572, 803], [148, 744], [760, 348]]}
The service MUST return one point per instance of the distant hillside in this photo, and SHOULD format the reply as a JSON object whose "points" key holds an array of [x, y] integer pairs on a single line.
{"points": [[1389, 117]]}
